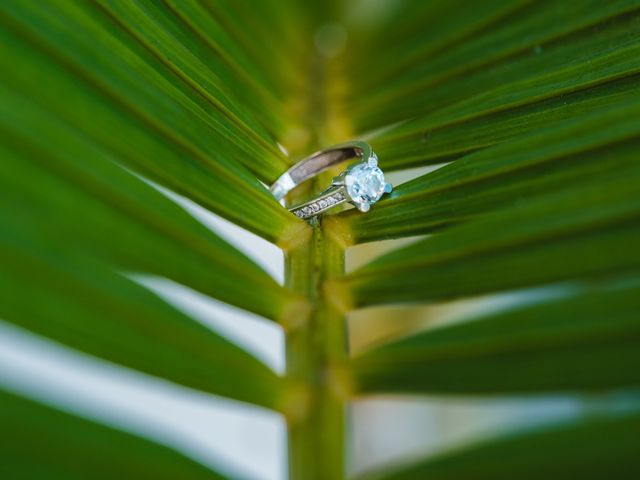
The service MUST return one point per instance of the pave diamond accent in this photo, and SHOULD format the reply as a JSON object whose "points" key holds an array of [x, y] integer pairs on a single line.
{"points": [[319, 205]]}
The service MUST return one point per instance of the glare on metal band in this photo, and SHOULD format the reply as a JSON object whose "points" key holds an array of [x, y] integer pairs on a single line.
{"points": [[362, 184]]}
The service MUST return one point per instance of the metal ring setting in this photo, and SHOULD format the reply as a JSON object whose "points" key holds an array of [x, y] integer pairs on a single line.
{"points": [[362, 184]]}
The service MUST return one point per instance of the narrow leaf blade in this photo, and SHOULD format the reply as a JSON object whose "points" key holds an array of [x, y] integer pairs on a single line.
{"points": [[37, 441], [586, 342], [577, 450], [83, 305]]}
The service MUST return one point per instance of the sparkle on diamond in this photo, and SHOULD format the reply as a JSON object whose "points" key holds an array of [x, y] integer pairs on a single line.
{"points": [[365, 184]]}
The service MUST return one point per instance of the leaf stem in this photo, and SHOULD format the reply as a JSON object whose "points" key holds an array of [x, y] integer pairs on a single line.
{"points": [[315, 353]]}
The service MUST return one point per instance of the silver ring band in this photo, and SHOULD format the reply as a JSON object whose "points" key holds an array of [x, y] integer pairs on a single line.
{"points": [[343, 189], [316, 163]]}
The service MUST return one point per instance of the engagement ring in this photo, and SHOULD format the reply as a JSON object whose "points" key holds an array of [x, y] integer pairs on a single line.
{"points": [[361, 184]]}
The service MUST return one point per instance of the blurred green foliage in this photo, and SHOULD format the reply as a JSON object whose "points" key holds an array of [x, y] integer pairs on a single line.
{"points": [[534, 106]]}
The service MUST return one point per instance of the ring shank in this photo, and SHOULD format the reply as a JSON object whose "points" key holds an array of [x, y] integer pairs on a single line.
{"points": [[317, 163]]}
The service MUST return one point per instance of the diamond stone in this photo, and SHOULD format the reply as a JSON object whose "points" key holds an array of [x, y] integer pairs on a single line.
{"points": [[365, 184]]}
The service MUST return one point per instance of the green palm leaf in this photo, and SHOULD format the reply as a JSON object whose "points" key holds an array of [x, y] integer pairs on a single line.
{"points": [[111, 317], [534, 107], [575, 449], [109, 212], [584, 342], [568, 155], [506, 250], [500, 43], [173, 134], [39, 442]]}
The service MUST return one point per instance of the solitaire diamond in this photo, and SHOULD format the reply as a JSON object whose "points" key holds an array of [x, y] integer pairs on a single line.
{"points": [[365, 184]]}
